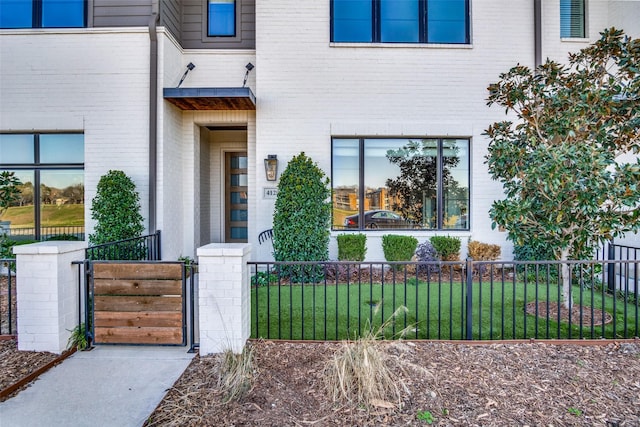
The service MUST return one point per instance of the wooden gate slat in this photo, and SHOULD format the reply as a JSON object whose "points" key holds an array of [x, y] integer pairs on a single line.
{"points": [[138, 319], [137, 303], [137, 271], [150, 335], [137, 287]]}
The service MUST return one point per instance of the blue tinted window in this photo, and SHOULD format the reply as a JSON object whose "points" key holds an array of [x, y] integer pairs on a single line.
{"points": [[446, 21], [572, 18], [222, 18], [352, 21], [399, 21], [62, 13], [16, 14], [17, 149], [62, 148], [239, 233]]}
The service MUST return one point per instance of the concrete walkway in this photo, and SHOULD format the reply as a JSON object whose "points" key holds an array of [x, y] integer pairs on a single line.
{"points": [[107, 386]]}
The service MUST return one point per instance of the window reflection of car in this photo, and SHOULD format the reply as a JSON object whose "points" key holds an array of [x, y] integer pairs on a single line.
{"points": [[378, 219]]}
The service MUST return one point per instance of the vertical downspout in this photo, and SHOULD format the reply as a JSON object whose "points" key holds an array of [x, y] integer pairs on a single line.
{"points": [[153, 113], [537, 29]]}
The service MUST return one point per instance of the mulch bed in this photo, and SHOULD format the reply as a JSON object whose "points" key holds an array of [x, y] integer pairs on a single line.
{"points": [[588, 316], [15, 364], [457, 384]]}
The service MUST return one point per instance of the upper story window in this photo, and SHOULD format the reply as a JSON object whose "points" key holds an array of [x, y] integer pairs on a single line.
{"points": [[572, 19], [222, 18], [400, 183], [42, 13], [400, 21]]}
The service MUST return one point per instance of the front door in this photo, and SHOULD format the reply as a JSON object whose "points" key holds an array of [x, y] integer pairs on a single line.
{"points": [[236, 197]]}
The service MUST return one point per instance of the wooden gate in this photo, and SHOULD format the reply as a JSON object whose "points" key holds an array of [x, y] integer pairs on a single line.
{"points": [[138, 303]]}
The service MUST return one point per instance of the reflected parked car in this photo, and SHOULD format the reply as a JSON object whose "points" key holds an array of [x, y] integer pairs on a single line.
{"points": [[378, 219]]}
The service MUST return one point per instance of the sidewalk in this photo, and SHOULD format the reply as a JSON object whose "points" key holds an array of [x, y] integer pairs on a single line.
{"points": [[107, 386]]}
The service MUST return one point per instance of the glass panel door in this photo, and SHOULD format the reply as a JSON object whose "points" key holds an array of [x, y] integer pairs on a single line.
{"points": [[236, 197]]}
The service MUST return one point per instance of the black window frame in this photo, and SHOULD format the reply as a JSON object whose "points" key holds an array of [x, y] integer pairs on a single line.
{"points": [[440, 185], [37, 11], [37, 166], [423, 25]]}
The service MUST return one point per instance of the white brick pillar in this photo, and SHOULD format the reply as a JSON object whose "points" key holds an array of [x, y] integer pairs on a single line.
{"points": [[224, 297], [47, 294]]}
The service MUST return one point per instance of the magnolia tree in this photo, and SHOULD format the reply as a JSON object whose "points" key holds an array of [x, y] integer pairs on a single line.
{"points": [[569, 163]]}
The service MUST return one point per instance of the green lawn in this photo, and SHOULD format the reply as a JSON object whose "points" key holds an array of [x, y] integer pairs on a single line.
{"points": [[51, 216], [437, 310]]}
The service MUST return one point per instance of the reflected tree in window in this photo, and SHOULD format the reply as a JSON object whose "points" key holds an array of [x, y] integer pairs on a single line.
{"points": [[414, 192]]}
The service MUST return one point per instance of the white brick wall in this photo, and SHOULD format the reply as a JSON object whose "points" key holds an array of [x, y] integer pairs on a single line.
{"points": [[47, 294], [89, 80], [96, 81], [224, 297]]}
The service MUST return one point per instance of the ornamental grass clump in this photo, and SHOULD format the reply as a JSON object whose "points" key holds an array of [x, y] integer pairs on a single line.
{"points": [[359, 372], [236, 374]]}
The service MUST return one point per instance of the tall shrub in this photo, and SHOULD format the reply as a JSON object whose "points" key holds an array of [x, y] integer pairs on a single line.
{"points": [[302, 213], [116, 209]]}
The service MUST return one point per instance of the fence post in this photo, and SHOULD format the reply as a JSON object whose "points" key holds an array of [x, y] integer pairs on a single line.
{"points": [[611, 267], [47, 294], [224, 297], [469, 300]]}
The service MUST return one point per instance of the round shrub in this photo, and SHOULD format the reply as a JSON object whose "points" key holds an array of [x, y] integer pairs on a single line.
{"points": [[447, 247]]}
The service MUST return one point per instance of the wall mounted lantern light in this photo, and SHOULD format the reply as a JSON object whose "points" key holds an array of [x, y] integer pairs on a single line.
{"points": [[271, 167]]}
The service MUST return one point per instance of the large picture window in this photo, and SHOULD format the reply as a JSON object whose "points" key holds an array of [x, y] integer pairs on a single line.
{"points": [[400, 21], [50, 168], [42, 13], [572, 19], [400, 183], [222, 18]]}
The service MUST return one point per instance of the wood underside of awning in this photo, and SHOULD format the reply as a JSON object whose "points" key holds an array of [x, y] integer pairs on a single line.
{"points": [[241, 98]]}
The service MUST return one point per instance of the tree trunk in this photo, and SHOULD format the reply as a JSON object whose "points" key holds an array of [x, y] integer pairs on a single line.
{"points": [[567, 299]]}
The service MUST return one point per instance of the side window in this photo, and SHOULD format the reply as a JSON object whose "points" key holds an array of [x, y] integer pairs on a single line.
{"points": [[222, 18], [572, 19], [42, 14]]}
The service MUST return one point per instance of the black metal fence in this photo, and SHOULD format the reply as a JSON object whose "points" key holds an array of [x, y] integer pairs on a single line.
{"points": [[479, 300], [65, 232], [141, 248], [8, 312]]}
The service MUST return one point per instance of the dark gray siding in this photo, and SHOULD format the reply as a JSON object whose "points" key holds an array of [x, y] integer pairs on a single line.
{"points": [[185, 19], [121, 13], [194, 27], [170, 17]]}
